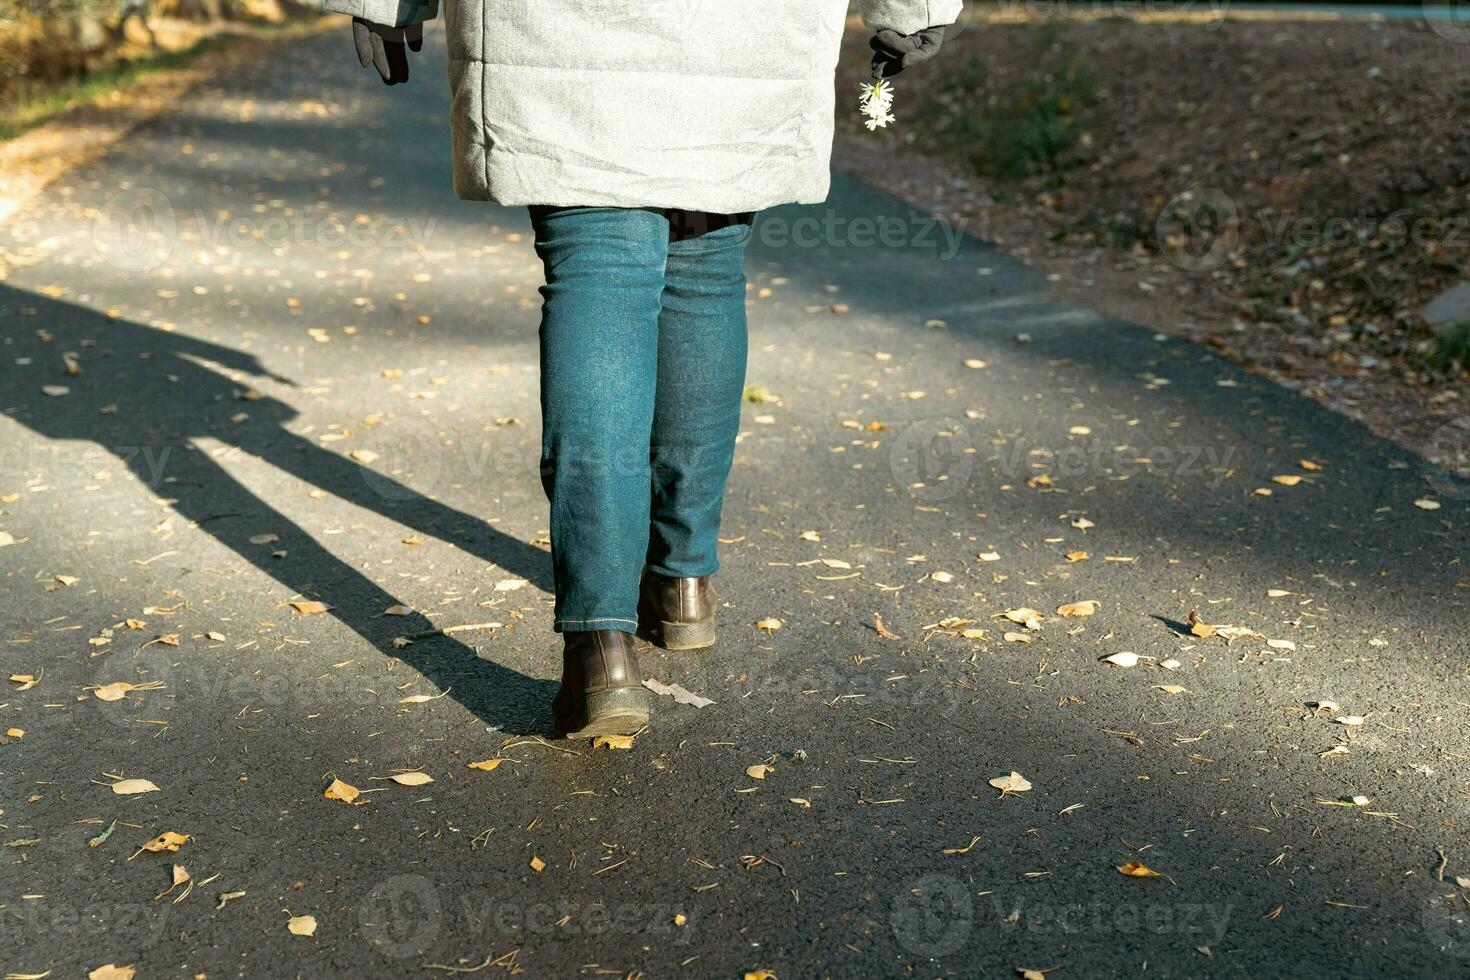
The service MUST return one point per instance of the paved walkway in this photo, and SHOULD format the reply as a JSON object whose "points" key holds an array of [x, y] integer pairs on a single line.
{"points": [[308, 373]]}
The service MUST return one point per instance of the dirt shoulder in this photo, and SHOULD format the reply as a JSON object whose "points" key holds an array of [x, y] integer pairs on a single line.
{"points": [[39, 155], [1291, 191]]}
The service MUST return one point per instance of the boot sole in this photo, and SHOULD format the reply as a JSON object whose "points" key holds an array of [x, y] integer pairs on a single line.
{"points": [[620, 712], [672, 636], [685, 636]]}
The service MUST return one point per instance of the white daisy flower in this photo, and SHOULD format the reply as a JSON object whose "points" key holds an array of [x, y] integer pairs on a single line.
{"points": [[875, 122], [875, 102]]}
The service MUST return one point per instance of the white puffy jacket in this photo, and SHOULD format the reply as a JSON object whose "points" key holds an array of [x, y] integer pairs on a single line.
{"points": [[710, 105]]}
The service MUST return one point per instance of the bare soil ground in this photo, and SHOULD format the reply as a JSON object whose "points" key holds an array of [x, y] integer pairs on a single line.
{"points": [[1289, 190]]}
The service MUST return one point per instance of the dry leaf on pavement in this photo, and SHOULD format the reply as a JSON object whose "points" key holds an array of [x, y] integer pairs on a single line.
{"points": [[166, 841], [1026, 616], [678, 692], [613, 742], [111, 971], [301, 925], [1013, 783], [342, 791], [130, 787]]}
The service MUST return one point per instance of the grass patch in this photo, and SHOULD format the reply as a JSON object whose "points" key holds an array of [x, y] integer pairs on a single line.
{"points": [[1022, 127], [26, 108]]}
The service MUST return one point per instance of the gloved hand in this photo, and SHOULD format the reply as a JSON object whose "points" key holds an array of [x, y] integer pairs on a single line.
{"points": [[893, 52], [382, 47]]}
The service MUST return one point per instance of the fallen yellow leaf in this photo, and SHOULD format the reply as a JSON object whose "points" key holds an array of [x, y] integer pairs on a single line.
{"points": [[613, 742], [302, 925], [129, 787], [342, 791], [166, 841], [1137, 869], [1199, 627], [111, 972], [1026, 616], [489, 765]]}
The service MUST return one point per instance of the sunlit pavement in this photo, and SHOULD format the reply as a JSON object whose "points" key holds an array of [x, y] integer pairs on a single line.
{"points": [[302, 372]]}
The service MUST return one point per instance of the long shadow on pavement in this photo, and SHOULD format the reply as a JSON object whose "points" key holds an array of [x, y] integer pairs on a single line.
{"points": [[145, 395]]}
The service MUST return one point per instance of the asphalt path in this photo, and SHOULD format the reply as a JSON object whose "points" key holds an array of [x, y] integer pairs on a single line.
{"points": [[305, 373]]}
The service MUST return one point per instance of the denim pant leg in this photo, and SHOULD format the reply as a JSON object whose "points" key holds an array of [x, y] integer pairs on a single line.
{"points": [[599, 360], [701, 377]]}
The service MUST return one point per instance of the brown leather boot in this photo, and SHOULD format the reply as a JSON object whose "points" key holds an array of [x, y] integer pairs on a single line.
{"points": [[677, 613], [602, 691]]}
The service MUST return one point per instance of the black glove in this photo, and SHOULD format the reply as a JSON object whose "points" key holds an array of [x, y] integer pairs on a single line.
{"points": [[382, 47], [893, 52]]}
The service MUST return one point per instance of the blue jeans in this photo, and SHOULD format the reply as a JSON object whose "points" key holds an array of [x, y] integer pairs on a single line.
{"points": [[642, 369]]}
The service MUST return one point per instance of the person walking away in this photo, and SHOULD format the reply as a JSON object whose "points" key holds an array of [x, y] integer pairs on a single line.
{"points": [[643, 137]]}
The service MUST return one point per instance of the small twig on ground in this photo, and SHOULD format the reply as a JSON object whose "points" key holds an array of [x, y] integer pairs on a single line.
{"points": [[451, 630], [506, 960], [537, 740]]}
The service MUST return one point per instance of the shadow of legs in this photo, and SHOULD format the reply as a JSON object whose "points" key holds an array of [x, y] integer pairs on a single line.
{"points": [[377, 492], [231, 514]]}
